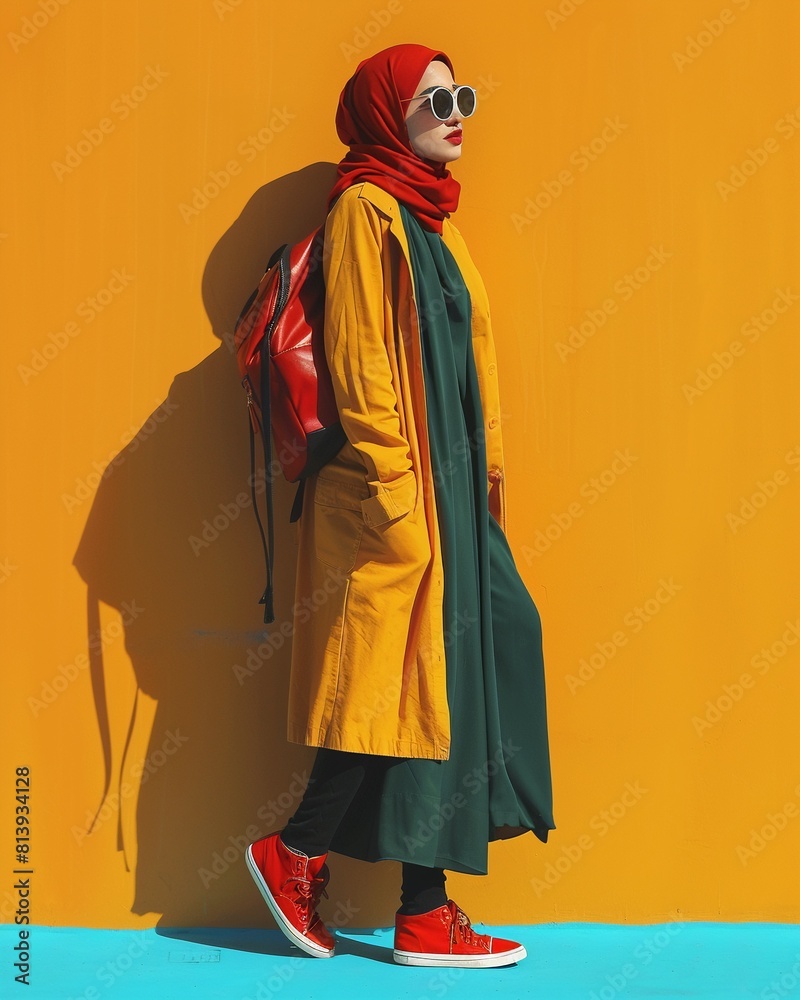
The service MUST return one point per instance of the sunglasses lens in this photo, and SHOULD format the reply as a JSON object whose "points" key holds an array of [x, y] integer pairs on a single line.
{"points": [[442, 103], [466, 101]]}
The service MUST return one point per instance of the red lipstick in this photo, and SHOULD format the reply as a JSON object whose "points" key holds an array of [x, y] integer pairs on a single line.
{"points": [[455, 137]]}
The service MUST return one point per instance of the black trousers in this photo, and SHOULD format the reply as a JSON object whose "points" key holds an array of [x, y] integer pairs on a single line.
{"points": [[335, 779]]}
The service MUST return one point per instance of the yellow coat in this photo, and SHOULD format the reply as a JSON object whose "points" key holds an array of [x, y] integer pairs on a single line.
{"points": [[368, 654]]}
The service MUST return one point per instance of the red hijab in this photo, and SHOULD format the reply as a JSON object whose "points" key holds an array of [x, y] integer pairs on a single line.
{"points": [[371, 121]]}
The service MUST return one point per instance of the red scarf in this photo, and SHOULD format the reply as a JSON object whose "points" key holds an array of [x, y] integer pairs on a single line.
{"points": [[371, 121]]}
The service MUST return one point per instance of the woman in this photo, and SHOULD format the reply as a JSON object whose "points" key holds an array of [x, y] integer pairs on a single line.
{"points": [[417, 671]]}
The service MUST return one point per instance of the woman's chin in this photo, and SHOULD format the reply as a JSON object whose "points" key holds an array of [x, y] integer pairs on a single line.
{"points": [[449, 155], [442, 152]]}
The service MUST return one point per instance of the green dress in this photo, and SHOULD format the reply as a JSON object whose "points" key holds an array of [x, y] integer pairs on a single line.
{"points": [[444, 813]]}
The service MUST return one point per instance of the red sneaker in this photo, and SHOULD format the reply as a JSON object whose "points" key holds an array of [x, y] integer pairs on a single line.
{"points": [[445, 937], [291, 884]]}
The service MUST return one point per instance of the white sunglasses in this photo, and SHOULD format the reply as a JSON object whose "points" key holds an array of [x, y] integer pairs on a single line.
{"points": [[443, 101]]}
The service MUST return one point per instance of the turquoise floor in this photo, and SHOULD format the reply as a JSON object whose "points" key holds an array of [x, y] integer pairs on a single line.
{"points": [[574, 961]]}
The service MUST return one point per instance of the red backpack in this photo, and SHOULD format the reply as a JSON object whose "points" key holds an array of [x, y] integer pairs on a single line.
{"points": [[281, 355]]}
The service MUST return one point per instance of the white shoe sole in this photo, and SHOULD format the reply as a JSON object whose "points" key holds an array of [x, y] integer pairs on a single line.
{"points": [[461, 961], [294, 935]]}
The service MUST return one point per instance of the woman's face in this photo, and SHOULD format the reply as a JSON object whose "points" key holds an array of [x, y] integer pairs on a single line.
{"points": [[430, 138]]}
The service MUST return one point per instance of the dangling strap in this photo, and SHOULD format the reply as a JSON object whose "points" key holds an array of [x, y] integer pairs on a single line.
{"points": [[266, 598], [266, 434], [297, 506], [281, 258]]}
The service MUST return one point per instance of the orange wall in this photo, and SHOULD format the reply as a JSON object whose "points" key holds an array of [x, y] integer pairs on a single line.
{"points": [[630, 197]]}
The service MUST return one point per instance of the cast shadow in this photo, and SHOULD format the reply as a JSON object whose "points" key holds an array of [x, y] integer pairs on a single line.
{"points": [[168, 545]]}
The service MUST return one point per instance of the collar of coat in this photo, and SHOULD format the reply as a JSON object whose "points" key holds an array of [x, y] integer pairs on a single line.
{"points": [[389, 206]]}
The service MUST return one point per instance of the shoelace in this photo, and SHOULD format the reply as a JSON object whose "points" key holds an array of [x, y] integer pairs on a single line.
{"points": [[463, 927], [307, 891]]}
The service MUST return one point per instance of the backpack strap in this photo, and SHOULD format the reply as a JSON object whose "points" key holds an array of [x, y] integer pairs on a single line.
{"points": [[266, 436], [280, 258], [267, 597]]}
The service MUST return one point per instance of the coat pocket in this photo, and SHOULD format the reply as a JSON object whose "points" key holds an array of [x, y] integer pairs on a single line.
{"points": [[338, 522]]}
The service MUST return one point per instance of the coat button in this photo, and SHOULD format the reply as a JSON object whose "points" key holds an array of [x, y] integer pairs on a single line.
{"points": [[495, 475], [493, 421], [492, 369]]}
